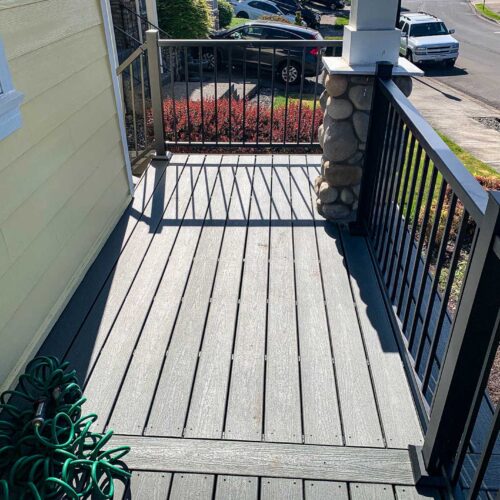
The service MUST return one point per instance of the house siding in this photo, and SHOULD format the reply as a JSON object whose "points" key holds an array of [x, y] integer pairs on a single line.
{"points": [[63, 179]]}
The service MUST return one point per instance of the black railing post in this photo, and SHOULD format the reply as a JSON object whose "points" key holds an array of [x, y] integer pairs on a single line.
{"points": [[374, 145], [468, 348]]}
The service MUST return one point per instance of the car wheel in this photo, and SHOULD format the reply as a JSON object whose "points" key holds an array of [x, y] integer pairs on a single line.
{"points": [[242, 15], [290, 73], [209, 59], [409, 56]]}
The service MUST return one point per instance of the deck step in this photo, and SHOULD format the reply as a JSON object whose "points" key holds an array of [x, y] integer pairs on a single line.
{"points": [[284, 460]]}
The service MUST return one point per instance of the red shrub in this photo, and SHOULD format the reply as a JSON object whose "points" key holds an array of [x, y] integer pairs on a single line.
{"points": [[215, 125]]}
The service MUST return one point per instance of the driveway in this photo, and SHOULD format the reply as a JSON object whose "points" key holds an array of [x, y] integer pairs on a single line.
{"points": [[477, 70]]}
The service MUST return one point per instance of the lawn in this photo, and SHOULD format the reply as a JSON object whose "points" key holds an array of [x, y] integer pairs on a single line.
{"points": [[294, 97], [482, 9], [237, 21]]}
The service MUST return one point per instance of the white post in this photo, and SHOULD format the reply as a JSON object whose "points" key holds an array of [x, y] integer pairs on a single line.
{"points": [[151, 12], [371, 35]]}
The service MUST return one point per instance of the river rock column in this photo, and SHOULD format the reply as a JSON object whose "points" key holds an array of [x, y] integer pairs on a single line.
{"points": [[346, 103]]}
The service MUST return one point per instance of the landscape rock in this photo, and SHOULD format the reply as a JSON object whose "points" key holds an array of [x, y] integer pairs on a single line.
{"points": [[335, 211], [347, 196], [323, 98], [356, 158], [339, 141], [317, 182], [405, 84], [336, 85], [362, 80], [321, 135], [327, 194], [341, 175], [339, 109], [356, 190], [360, 120], [355, 205], [361, 96]]}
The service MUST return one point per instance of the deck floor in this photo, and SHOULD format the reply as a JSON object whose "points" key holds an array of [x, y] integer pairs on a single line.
{"points": [[222, 308]]}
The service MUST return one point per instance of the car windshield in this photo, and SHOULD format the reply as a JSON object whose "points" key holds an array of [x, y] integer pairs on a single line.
{"points": [[428, 29]]}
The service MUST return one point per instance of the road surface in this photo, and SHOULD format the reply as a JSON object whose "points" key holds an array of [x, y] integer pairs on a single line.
{"points": [[477, 70]]}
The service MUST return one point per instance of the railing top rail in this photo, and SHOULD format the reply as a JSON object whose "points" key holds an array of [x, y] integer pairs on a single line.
{"points": [[131, 58], [253, 43], [461, 181]]}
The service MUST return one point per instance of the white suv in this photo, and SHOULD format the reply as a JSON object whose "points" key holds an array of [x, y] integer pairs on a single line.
{"points": [[425, 38]]}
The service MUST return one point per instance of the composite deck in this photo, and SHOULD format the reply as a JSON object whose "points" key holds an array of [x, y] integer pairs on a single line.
{"points": [[240, 343]]}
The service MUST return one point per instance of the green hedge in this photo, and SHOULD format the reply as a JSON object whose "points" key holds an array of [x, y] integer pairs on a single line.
{"points": [[226, 13], [185, 18]]}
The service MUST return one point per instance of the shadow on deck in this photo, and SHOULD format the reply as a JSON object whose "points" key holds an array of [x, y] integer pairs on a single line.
{"points": [[239, 342]]}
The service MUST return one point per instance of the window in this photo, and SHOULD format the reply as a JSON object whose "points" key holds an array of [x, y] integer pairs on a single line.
{"points": [[428, 29], [10, 99], [404, 29]]}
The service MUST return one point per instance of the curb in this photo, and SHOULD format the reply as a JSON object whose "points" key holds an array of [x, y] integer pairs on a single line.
{"points": [[482, 16]]}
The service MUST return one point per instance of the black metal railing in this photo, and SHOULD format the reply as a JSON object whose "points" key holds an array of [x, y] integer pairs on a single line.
{"points": [[434, 234], [238, 93]]}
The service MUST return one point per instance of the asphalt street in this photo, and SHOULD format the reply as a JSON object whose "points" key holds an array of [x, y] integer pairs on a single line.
{"points": [[477, 70]]}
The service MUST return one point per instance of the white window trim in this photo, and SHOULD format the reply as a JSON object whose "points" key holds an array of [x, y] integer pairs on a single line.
{"points": [[10, 99]]}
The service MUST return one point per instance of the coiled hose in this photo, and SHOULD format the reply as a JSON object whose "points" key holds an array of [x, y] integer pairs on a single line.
{"points": [[47, 448]]}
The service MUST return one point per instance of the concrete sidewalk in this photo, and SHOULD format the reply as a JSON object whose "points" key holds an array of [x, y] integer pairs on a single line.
{"points": [[452, 113]]}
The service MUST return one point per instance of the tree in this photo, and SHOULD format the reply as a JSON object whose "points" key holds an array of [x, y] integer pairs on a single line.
{"points": [[226, 13], [185, 18]]}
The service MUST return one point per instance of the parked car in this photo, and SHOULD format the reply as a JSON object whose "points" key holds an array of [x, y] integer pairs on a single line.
{"points": [[311, 17], [330, 4], [255, 9], [262, 30], [425, 38]]}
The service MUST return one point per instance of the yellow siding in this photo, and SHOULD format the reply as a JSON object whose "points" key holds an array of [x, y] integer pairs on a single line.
{"points": [[63, 182]]}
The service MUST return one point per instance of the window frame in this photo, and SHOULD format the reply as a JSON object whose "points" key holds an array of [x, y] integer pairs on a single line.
{"points": [[10, 99]]}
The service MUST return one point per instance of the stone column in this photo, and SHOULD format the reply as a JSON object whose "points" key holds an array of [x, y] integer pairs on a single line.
{"points": [[347, 101]]}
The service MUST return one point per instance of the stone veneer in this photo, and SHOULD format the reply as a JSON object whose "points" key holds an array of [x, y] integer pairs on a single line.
{"points": [[346, 103]]}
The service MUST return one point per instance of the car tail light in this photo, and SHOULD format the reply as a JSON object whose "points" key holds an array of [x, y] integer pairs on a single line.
{"points": [[314, 51]]}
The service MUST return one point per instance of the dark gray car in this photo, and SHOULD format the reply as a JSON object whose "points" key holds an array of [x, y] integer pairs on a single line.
{"points": [[287, 62]]}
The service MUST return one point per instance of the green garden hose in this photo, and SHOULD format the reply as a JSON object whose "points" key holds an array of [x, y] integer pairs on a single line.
{"points": [[47, 448]]}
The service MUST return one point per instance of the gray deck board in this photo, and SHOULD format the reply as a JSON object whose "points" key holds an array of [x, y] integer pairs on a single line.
{"points": [[130, 268], [248, 333], [321, 490], [371, 491], [277, 460], [319, 395], [246, 393], [110, 369], [285, 489], [208, 403], [169, 409], [395, 402], [412, 493], [283, 398], [144, 485], [134, 400], [68, 324], [192, 487], [237, 487], [357, 400]]}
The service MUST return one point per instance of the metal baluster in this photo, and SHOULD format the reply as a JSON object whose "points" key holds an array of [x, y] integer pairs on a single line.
{"points": [[388, 198], [144, 121], [407, 169], [391, 241], [430, 249], [384, 169], [132, 95], [411, 241], [186, 71], [172, 90], [230, 63], [273, 74], [485, 456], [416, 262], [413, 166], [302, 78], [286, 95], [216, 103], [318, 59], [258, 97], [202, 107], [436, 335], [244, 131]]}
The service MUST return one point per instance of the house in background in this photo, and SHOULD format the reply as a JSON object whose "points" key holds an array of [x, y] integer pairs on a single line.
{"points": [[65, 178]]}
